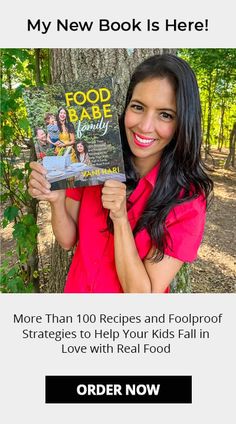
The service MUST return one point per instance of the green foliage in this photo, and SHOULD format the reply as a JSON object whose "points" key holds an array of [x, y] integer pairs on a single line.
{"points": [[15, 278], [18, 72], [215, 70], [11, 213], [13, 281], [51, 152], [181, 283], [25, 233]]}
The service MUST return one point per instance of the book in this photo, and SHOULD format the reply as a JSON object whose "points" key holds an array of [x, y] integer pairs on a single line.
{"points": [[76, 132]]}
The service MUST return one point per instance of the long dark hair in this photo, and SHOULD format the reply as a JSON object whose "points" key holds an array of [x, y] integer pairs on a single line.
{"points": [[84, 146], [69, 126], [182, 175]]}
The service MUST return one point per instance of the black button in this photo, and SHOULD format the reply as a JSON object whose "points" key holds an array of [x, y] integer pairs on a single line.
{"points": [[118, 389]]}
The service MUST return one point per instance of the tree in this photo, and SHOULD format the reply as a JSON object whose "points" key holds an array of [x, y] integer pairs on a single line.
{"points": [[216, 71], [230, 161]]}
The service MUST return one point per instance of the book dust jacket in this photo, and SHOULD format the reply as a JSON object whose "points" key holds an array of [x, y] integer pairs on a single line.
{"points": [[76, 132]]}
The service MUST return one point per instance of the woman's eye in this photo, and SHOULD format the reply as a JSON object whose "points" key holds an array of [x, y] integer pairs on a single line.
{"points": [[136, 107], [166, 116]]}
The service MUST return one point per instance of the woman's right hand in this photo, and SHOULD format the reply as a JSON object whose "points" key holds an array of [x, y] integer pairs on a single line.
{"points": [[39, 187]]}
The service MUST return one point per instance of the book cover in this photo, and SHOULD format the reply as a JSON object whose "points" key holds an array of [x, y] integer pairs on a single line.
{"points": [[76, 132]]}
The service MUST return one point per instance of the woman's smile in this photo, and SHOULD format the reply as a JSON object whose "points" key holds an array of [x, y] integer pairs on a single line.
{"points": [[143, 141]]}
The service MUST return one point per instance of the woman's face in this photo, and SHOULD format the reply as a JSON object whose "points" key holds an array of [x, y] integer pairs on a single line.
{"points": [[150, 120], [80, 148], [62, 115]]}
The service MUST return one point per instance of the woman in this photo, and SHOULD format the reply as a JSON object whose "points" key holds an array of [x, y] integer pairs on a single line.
{"points": [[82, 153], [66, 132], [135, 237]]}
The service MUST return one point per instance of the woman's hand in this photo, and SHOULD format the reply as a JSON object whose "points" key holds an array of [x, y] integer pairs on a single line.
{"points": [[114, 199], [39, 187]]}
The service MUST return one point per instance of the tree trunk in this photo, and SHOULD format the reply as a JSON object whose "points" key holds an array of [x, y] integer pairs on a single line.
{"points": [[60, 263], [33, 261], [37, 67], [208, 131], [221, 130], [72, 64], [230, 161]]}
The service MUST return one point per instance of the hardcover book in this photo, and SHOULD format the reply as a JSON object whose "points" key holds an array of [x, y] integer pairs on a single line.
{"points": [[76, 132]]}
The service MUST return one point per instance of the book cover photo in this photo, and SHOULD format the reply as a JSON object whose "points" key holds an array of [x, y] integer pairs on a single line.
{"points": [[76, 132]]}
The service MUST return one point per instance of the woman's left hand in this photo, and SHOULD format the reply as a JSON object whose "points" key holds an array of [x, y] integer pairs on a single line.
{"points": [[114, 199]]}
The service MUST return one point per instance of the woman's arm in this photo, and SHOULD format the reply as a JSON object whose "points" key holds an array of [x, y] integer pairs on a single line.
{"points": [[130, 268], [64, 221], [64, 210], [135, 275], [162, 273]]}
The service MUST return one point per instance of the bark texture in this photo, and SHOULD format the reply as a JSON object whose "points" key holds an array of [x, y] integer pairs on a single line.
{"points": [[72, 64]]}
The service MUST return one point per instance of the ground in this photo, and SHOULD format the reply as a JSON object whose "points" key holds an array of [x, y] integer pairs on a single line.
{"points": [[215, 269]]}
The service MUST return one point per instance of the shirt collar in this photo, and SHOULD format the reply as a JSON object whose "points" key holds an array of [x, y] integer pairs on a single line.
{"points": [[152, 175]]}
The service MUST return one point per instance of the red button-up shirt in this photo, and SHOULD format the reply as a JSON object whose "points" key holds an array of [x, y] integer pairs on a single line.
{"points": [[93, 267]]}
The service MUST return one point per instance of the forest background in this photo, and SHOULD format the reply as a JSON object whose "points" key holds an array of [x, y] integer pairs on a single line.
{"points": [[29, 252]]}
